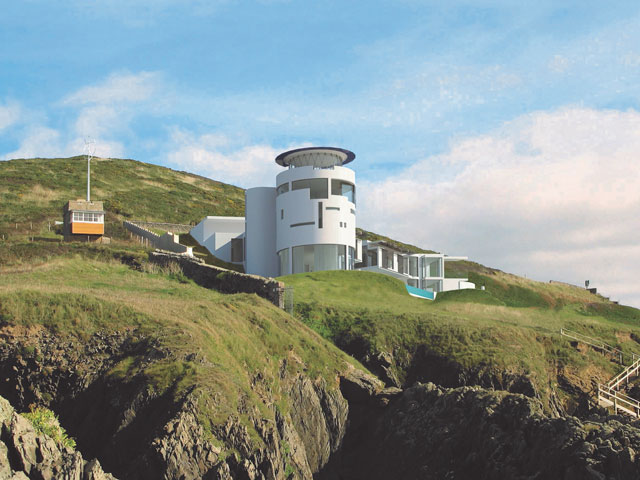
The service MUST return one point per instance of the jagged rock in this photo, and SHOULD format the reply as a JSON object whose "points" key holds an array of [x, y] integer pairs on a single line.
{"points": [[430, 432], [25, 453], [93, 471], [382, 364], [139, 435], [361, 430], [388, 394], [358, 386], [5, 466], [22, 441], [17, 476], [297, 453], [311, 406], [182, 450]]}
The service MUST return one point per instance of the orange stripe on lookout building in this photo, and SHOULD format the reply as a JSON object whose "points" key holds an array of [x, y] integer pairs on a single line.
{"points": [[82, 228]]}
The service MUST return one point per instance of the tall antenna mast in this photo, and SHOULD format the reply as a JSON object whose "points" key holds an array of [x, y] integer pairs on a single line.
{"points": [[89, 150]]}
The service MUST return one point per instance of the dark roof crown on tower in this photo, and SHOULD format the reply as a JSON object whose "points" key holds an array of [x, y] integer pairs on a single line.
{"points": [[321, 157]]}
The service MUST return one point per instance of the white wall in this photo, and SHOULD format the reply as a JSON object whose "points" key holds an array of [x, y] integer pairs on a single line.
{"points": [[456, 284], [215, 234], [210, 225], [167, 241], [297, 207], [260, 236]]}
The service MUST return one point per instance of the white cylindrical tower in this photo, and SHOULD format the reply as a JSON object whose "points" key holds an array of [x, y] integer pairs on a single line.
{"points": [[260, 232], [315, 210]]}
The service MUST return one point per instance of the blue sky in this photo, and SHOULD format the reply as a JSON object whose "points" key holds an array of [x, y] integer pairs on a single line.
{"points": [[496, 129]]}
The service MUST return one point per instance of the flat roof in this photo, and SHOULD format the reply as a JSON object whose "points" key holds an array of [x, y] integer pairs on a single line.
{"points": [[399, 249], [83, 205], [315, 157]]}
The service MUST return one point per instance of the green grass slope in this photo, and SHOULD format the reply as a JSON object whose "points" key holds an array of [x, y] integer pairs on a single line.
{"points": [[220, 343], [33, 192], [375, 237], [512, 326]]}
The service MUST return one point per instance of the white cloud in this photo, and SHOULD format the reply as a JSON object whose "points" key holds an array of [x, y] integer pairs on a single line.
{"points": [[103, 112], [559, 64], [103, 148], [117, 88], [9, 114], [107, 109], [98, 120], [41, 141], [38, 142], [550, 195], [210, 155]]}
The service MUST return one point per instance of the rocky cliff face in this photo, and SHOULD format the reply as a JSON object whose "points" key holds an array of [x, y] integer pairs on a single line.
{"points": [[138, 434], [25, 453], [422, 365], [360, 431], [430, 432]]}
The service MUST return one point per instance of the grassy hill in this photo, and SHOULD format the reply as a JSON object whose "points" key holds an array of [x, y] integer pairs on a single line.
{"points": [[511, 328], [404, 247], [236, 354], [33, 192]]}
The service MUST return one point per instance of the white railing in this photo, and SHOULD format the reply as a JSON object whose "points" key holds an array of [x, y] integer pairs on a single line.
{"points": [[595, 343], [608, 397], [623, 376], [609, 394]]}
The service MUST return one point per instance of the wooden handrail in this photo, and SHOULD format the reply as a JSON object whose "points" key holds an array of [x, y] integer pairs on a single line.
{"points": [[619, 401], [624, 375], [594, 342], [608, 395]]}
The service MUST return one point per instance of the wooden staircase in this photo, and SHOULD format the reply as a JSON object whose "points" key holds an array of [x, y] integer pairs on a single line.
{"points": [[609, 394]]}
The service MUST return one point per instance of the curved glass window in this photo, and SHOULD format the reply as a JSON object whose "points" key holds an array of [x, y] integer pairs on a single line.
{"points": [[284, 188], [413, 266], [314, 258], [283, 256], [345, 189], [318, 187]]}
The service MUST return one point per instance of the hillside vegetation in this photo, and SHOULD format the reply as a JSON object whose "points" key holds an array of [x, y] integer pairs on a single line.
{"points": [[89, 289], [33, 192], [160, 378], [512, 326], [375, 237], [234, 358], [494, 337]]}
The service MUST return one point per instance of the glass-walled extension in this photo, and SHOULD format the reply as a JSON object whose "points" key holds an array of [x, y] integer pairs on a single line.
{"points": [[431, 285], [422, 272], [432, 267], [315, 258], [371, 257]]}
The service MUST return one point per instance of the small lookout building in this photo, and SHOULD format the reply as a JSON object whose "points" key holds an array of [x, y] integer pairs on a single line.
{"points": [[83, 220]]}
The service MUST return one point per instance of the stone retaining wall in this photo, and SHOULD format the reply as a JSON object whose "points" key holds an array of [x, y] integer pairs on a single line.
{"points": [[223, 280]]}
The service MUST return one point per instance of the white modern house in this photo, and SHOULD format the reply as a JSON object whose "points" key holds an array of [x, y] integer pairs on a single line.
{"points": [[222, 236], [307, 223], [423, 273]]}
